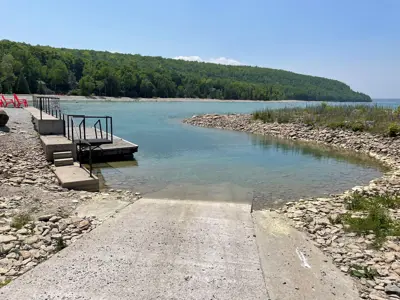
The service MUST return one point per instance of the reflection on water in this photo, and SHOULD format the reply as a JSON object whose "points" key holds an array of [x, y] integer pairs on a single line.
{"points": [[317, 151], [114, 167], [263, 199]]}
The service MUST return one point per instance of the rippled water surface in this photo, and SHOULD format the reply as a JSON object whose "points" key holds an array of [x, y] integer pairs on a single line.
{"points": [[184, 162]]}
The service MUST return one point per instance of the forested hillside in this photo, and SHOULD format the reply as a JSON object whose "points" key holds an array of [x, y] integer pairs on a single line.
{"points": [[41, 69]]}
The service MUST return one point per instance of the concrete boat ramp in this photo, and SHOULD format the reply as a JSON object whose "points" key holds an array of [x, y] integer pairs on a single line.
{"points": [[177, 249]]}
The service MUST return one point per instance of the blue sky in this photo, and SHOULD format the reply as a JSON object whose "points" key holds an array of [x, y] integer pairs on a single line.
{"points": [[355, 41]]}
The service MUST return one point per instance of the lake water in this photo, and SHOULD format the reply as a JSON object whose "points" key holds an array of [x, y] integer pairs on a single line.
{"points": [[180, 161]]}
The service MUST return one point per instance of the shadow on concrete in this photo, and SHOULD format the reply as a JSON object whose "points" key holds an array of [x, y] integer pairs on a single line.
{"points": [[5, 129]]}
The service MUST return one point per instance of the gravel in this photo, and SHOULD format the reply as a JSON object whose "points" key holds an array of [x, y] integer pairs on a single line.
{"points": [[29, 188]]}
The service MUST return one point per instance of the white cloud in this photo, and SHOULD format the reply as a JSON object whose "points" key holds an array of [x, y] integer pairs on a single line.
{"points": [[220, 60], [225, 61], [189, 58]]}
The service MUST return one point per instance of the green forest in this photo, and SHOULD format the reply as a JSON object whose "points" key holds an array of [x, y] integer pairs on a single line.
{"points": [[28, 69]]}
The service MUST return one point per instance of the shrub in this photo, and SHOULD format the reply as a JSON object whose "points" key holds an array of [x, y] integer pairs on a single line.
{"points": [[363, 272], [397, 111], [357, 126], [283, 118], [335, 125], [394, 129], [369, 118], [20, 220], [377, 221]]}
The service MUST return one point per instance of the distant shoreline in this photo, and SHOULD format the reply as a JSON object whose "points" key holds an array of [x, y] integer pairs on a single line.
{"points": [[127, 99]]}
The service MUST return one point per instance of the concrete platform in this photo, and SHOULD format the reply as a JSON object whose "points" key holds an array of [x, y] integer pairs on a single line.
{"points": [[56, 143], [47, 124], [155, 249], [77, 178]]}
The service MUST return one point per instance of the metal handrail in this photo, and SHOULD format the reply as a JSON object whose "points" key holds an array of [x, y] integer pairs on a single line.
{"points": [[90, 155], [82, 126], [101, 131], [83, 122], [82, 142], [43, 104]]}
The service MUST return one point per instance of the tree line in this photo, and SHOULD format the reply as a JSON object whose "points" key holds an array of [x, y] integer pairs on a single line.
{"points": [[26, 69]]}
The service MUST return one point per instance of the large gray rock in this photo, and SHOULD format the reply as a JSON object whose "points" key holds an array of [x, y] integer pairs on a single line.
{"points": [[3, 118], [392, 290]]}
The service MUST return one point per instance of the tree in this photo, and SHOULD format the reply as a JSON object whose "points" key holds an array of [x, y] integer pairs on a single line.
{"points": [[7, 77], [147, 89], [99, 86], [72, 81], [86, 85], [22, 86], [57, 73]]}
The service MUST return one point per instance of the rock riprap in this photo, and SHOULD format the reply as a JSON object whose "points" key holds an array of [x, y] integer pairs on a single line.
{"points": [[378, 270]]}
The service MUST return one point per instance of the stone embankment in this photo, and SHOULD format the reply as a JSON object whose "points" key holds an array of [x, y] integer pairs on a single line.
{"points": [[37, 216], [314, 216]]}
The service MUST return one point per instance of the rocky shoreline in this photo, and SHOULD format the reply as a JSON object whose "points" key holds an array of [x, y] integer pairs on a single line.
{"points": [[37, 216], [313, 216]]}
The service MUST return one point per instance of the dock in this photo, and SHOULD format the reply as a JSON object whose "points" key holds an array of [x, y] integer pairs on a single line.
{"points": [[69, 142], [120, 149]]}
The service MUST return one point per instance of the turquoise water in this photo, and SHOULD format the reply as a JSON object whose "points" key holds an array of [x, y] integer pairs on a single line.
{"points": [[184, 162]]}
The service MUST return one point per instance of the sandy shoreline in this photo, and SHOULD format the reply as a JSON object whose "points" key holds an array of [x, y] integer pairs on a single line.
{"points": [[127, 99]]}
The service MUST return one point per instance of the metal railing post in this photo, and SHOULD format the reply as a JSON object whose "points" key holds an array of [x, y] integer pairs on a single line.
{"points": [[84, 127], [40, 107], [90, 161], [63, 123], [107, 128], [111, 125]]}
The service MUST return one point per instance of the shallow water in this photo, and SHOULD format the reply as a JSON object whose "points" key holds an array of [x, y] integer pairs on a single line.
{"points": [[184, 162]]}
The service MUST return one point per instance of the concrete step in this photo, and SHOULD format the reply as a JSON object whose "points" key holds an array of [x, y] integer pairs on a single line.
{"points": [[63, 162], [63, 154]]}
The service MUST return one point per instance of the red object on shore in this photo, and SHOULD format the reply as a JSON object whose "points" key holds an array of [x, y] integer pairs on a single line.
{"points": [[18, 102], [6, 101]]}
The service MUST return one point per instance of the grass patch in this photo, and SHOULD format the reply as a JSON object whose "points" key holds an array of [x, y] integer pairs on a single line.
{"points": [[60, 244], [360, 202], [5, 282], [358, 118], [20, 220], [375, 218], [363, 272]]}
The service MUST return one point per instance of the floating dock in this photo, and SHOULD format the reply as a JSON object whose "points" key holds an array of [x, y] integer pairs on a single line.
{"points": [[120, 149], [53, 139], [59, 139]]}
